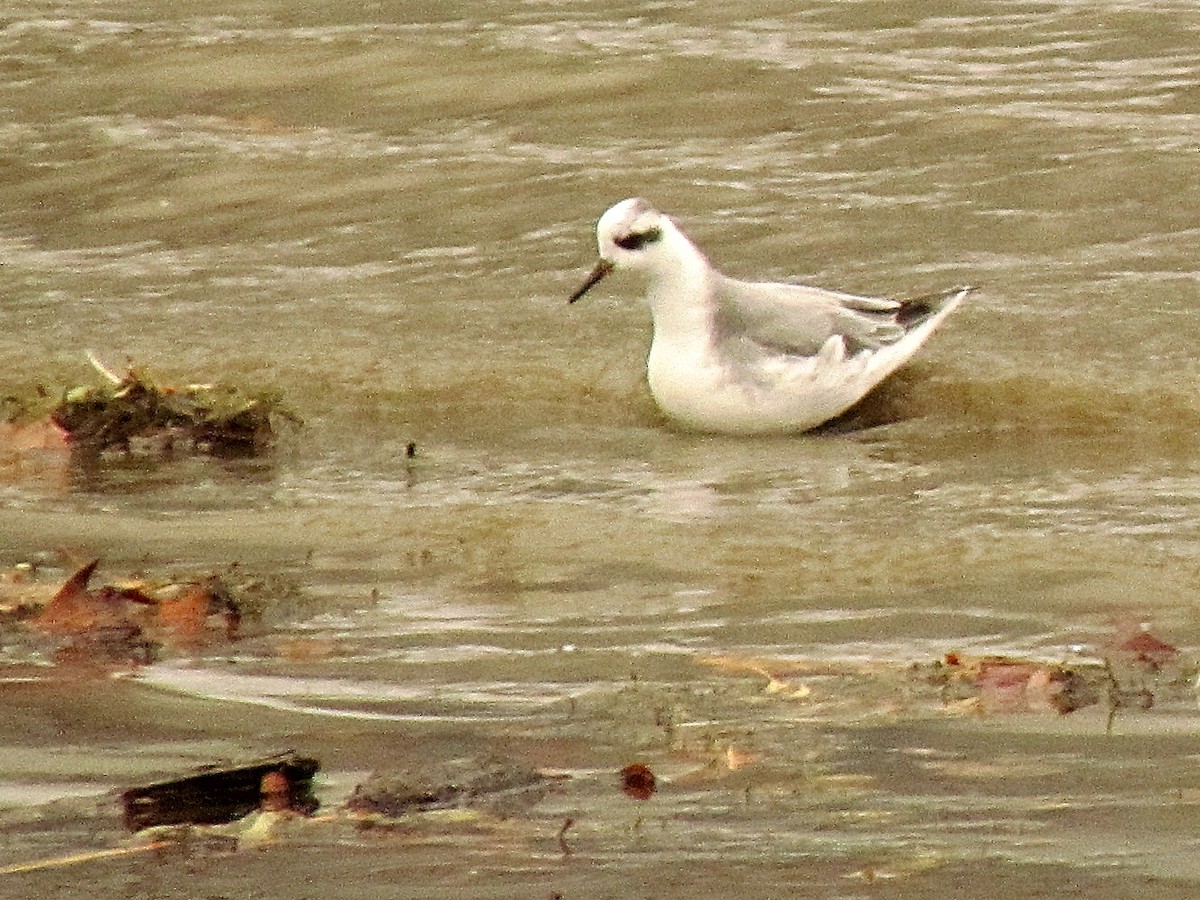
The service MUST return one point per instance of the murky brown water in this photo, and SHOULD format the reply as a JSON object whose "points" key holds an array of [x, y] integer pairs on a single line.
{"points": [[380, 208]]}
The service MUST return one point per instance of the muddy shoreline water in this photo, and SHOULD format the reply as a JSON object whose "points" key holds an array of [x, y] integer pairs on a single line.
{"points": [[819, 789], [377, 212]]}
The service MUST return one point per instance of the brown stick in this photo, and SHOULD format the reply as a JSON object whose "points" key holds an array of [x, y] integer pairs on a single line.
{"points": [[562, 837]]}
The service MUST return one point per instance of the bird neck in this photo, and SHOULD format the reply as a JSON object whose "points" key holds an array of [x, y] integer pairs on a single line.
{"points": [[679, 297]]}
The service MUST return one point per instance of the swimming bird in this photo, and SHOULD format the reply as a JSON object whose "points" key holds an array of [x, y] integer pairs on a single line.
{"points": [[748, 357]]}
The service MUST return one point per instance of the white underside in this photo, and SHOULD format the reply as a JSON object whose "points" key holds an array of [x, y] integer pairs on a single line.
{"points": [[776, 392]]}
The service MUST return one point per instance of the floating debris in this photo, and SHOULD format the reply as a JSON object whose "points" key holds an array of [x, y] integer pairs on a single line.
{"points": [[133, 411], [248, 805], [125, 623], [73, 859], [638, 781], [779, 675], [491, 784], [223, 807], [1132, 670], [1143, 649], [1016, 685], [562, 837], [1001, 684], [223, 794]]}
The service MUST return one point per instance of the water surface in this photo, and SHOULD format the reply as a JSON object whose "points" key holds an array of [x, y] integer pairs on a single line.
{"points": [[378, 209]]}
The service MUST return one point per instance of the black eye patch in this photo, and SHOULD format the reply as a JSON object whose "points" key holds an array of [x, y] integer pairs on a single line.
{"points": [[638, 240]]}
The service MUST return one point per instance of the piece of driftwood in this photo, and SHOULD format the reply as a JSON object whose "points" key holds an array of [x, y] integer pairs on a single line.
{"points": [[213, 796]]}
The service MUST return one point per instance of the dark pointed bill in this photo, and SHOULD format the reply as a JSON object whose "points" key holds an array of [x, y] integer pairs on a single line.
{"points": [[603, 267]]}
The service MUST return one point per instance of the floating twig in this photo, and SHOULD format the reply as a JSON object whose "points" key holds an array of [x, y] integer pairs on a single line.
{"points": [[58, 862]]}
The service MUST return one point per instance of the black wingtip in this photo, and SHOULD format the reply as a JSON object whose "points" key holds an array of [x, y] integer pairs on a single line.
{"points": [[916, 310]]}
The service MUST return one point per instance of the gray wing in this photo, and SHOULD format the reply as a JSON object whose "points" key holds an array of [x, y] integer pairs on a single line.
{"points": [[792, 318]]}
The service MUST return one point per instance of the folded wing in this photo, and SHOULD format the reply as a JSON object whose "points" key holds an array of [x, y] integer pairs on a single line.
{"points": [[800, 320]]}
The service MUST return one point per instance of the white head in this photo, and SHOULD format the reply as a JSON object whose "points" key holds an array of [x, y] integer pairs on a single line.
{"points": [[634, 235]]}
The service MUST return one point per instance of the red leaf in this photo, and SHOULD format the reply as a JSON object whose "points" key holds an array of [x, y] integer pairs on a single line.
{"points": [[638, 781], [74, 608]]}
